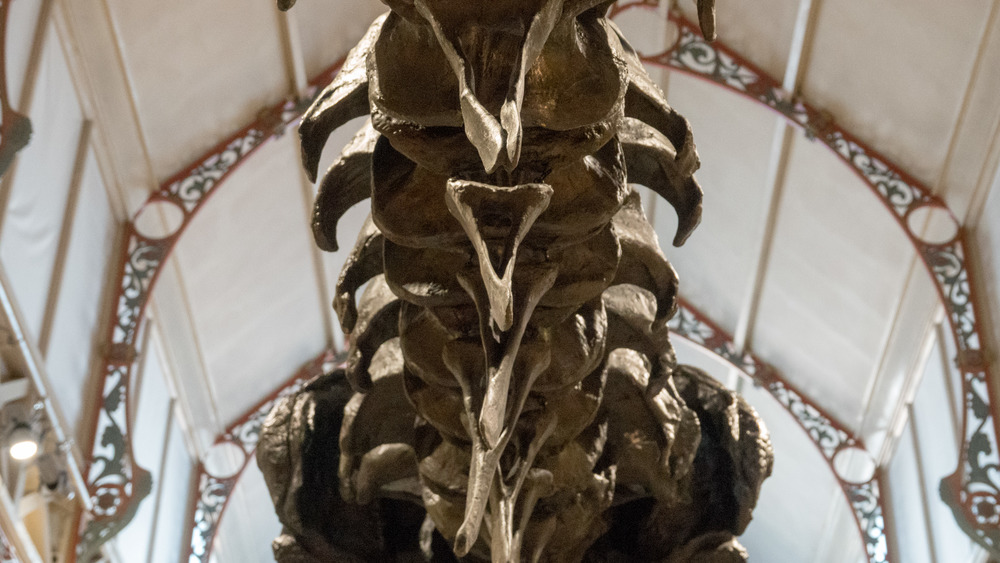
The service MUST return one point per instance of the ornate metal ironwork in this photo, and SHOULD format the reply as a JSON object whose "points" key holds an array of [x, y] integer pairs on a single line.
{"points": [[974, 488], [212, 496], [828, 435], [115, 482]]}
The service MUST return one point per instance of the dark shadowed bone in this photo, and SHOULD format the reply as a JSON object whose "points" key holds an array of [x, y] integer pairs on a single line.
{"points": [[480, 379], [649, 159], [496, 219], [631, 325], [377, 434], [378, 322], [296, 453], [741, 435], [364, 263], [16, 134], [285, 5], [642, 263], [343, 100], [348, 181], [497, 141]]}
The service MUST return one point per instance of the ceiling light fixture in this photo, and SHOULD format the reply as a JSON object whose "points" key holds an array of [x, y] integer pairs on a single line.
{"points": [[23, 442]]}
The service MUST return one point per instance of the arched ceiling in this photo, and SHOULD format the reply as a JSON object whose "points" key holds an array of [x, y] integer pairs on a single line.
{"points": [[795, 256]]}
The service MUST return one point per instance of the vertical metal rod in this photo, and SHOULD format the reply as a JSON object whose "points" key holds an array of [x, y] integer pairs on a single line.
{"points": [[921, 476], [291, 43], [777, 168], [65, 237], [949, 375], [323, 281], [150, 549], [32, 359]]}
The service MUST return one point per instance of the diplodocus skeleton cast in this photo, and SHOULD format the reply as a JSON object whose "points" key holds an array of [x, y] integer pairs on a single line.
{"points": [[513, 394]]}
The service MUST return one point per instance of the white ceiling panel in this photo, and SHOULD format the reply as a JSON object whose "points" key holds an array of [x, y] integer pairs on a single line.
{"points": [[248, 267], [972, 162], [791, 517], [911, 328], [171, 523], [199, 71], [733, 136], [22, 21], [80, 311], [836, 269], [182, 352], [329, 29], [909, 59], [41, 182], [248, 526]]}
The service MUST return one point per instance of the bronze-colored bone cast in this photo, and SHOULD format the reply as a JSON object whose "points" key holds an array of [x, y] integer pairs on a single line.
{"points": [[511, 393]]}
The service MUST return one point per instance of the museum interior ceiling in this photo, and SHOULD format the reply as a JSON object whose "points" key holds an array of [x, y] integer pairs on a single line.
{"points": [[161, 285]]}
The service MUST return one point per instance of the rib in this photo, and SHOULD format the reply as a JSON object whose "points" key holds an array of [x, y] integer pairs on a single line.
{"points": [[343, 100], [642, 262], [364, 263], [378, 322], [650, 161], [347, 182]]}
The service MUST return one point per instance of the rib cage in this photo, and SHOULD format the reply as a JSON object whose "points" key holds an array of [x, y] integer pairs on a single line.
{"points": [[509, 357]]}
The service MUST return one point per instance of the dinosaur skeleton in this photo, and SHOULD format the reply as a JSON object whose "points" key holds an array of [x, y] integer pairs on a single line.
{"points": [[513, 393]]}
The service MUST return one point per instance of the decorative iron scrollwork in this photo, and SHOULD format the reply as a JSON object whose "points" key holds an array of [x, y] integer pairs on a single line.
{"points": [[209, 504], [115, 482]]}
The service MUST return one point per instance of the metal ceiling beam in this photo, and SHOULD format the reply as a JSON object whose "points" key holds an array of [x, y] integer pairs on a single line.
{"points": [[298, 80], [291, 41], [795, 68], [65, 237], [21, 540]]}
